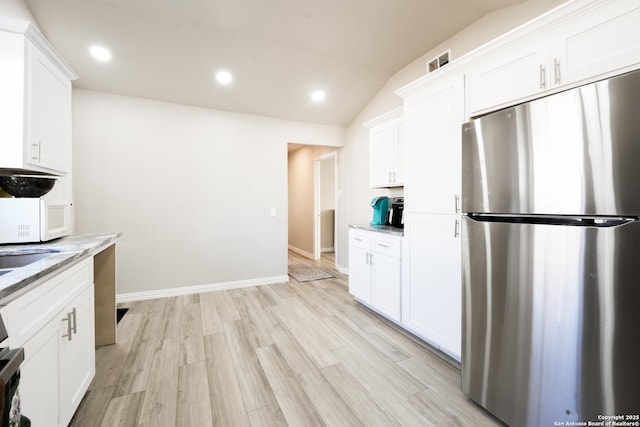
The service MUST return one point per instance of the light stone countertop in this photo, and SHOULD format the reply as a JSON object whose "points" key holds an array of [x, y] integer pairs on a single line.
{"points": [[66, 251], [379, 228]]}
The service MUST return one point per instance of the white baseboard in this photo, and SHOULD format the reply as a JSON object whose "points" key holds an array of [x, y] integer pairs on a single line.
{"points": [[188, 290], [301, 252], [331, 249], [342, 270]]}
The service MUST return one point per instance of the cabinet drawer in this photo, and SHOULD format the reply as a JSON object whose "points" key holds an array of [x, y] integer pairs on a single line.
{"points": [[360, 239], [25, 316], [385, 246]]}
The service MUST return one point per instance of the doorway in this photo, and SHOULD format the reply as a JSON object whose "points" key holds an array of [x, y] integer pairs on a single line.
{"points": [[312, 200], [325, 203]]}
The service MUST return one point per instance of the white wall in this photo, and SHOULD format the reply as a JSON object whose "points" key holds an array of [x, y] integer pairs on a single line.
{"points": [[190, 188], [357, 147]]}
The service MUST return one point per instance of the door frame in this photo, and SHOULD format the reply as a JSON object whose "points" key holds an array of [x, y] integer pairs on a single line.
{"points": [[317, 191]]}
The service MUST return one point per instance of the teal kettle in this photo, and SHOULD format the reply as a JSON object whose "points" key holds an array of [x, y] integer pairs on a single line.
{"points": [[380, 207]]}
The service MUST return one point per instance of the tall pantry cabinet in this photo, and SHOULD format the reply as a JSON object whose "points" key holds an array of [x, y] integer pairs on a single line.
{"points": [[434, 111]]}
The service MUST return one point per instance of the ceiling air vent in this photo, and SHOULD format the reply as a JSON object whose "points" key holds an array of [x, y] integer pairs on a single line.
{"points": [[439, 61]]}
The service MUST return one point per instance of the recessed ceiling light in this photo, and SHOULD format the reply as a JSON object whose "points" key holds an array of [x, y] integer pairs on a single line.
{"points": [[318, 96], [100, 53], [224, 77]]}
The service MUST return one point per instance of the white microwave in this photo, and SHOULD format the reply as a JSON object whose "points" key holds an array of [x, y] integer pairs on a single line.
{"points": [[25, 220]]}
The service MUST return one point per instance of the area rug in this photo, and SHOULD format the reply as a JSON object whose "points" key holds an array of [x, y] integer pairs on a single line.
{"points": [[305, 272]]}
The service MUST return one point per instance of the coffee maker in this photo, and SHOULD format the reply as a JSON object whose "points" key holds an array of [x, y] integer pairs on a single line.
{"points": [[395, 214], [380, 207]]}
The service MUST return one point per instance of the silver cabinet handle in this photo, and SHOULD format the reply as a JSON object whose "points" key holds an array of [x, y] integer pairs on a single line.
{"points": [[358, 239], [371, 259], [382, 245], [366, 261], [69, 333], [543, 79], [456, 229], [72, 324], [35, 151], [556, 67], [75, 321]]}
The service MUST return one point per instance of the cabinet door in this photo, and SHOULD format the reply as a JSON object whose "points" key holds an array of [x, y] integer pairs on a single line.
{"points": [[359, 273], [431, 287], [381, 152], [12, 102], [76, 353], [39, 377], [48, 114], [385, 285], [433, 119], [599, 42], [508, 75]]}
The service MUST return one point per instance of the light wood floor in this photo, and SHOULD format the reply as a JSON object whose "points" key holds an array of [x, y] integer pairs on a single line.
{"points": [[297, 354]]}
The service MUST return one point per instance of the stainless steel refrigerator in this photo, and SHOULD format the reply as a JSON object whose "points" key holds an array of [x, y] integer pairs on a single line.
{"points": [[551, 257]]}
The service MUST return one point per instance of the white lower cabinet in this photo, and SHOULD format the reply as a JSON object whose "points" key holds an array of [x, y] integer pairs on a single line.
{"points": [[359, 268], [39, 394], [385, 284], [431, 288], [375, 270], [54, 323], [76, 353]]}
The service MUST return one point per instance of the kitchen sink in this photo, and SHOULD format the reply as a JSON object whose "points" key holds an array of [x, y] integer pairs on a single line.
{"points": [[11, 261]]}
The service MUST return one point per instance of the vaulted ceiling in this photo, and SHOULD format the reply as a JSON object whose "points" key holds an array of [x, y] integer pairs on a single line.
{"points": [[278, 51]]}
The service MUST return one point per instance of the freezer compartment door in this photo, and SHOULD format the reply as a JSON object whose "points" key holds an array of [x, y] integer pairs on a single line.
{"points": [[550, 325], [572, 153]]}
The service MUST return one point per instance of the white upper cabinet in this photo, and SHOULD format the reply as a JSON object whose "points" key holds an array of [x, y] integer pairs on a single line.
{"points": [[434, 114], [48, 113], [504, 76], [36, 102], [386, 150], [596, 41]]}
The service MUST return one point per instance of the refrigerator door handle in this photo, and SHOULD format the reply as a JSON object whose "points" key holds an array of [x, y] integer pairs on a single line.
{"points": [[576, 221], [456, 229]]}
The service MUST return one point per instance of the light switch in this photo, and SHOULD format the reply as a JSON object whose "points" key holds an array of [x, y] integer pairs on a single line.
{"points": [[273, 211]]}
